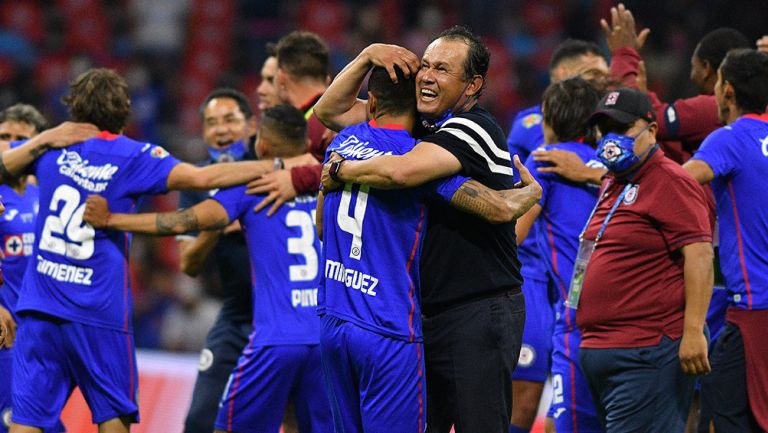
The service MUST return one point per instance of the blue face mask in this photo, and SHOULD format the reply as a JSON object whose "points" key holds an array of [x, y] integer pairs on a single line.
{"points": [[233, 152], [616, 151]]}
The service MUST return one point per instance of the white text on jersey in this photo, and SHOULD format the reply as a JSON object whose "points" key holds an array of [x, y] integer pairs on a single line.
{"points": [[351, 278], [64, 273]]}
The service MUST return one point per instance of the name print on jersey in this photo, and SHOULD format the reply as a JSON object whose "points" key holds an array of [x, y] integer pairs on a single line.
{"points": [[94, 178], [353, 148], [351, 278]]}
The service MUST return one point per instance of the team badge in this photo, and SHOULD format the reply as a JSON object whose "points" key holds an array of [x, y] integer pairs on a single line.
{"points": [[527, 356], [631, 195], [612, 98], [159, 153], [13, 245], [612, 151], [206, 360], [531, 120]]}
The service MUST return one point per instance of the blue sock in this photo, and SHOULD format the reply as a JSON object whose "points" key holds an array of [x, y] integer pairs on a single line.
{"points": [[516, 429]]}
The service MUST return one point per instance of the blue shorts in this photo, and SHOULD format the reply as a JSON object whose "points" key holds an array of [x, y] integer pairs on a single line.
{"points": [[52, 356], [535, 353], [375, 383], [6, 367], [572, 408], [265, 379]]}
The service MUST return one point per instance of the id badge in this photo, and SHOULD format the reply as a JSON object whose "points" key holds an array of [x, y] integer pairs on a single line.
{"points": [[586, 247]]}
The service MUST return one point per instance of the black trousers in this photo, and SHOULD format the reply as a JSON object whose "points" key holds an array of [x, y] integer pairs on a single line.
{"points": [[223, 347], [470, 353]]}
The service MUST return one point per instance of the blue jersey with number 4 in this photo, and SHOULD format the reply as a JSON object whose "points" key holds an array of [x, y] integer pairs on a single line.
{"points": [[79, 273], [372, 240], [738, 156], [17, 232], [284, 253]]}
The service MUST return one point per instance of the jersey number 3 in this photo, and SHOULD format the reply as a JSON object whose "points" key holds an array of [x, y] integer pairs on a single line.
{"points": [[64, 231]]}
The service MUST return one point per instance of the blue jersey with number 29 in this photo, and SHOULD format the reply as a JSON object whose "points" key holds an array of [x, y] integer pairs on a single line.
{"points": [[79, 273], [372, 240]]}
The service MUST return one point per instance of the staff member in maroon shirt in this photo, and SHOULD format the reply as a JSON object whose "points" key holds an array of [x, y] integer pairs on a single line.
{"points": [[648, 281]]}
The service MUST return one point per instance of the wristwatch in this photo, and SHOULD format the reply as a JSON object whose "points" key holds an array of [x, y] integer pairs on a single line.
{"points": [[333, 171]]}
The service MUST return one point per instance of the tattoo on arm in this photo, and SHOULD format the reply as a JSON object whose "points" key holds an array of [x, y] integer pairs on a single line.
{"points": [[183, 221], [37, 151], [474, 198]]}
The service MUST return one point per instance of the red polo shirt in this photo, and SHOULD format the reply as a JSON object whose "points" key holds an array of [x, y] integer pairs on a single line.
{"points": [[306, 179], [633, 292]]}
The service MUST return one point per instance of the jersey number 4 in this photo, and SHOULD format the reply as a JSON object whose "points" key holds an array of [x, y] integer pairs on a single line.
{"points": [[353, 225], [64, 231]]}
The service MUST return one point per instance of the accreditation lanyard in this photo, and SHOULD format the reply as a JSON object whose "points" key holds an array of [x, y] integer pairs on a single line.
{"points": [[587, 247]]}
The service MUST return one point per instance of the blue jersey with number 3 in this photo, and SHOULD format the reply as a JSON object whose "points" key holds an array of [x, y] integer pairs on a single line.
{"points": [[372, 240], [284, 253], [79, 273]]}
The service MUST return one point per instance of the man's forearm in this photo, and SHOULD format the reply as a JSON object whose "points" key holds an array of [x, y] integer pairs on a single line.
{"points": [[165, 223], [493, 206], [699, 277], [14, 161], [381, 172], [195, 252], [341, 95]]}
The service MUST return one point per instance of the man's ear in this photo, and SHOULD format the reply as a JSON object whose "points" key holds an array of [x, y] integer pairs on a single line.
{"points": [[475, 85], [729, 93], [371, 106]]}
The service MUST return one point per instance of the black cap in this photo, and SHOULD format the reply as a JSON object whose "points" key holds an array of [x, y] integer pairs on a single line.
{"points": [[624, 105]]}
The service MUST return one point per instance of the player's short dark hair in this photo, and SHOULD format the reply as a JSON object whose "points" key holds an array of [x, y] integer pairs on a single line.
{"points": [[24, 113], [478, 56], [567, 106], [226, 92], [572, 48], [286, 123], [715, 45], [747, 71], [271, 49], [303, 55], [99, 96], [392, 98]]}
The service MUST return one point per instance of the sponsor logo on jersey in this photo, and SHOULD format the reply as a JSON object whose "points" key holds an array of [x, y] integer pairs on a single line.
{"points": [[11, 214], [764, 144], [531, 120], [631, 195], [94, 178], [353, 148], [558, 412]]}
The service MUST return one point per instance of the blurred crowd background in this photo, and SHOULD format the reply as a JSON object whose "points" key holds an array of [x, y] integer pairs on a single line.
{"points": [[173, 52]]}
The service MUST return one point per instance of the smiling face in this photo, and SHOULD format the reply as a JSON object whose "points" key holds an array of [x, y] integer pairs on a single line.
{"points": [[441, 83], [267, 92], [224, 123]]}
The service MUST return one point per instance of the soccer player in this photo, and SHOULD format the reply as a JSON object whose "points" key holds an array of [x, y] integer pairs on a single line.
{"points": [[18, 122], [281, 361], [561, 214], [571, 58], [469, 378], [301, 78], [228, 124], [371, 340], [734, 159], [267, 92], [75, 300]]}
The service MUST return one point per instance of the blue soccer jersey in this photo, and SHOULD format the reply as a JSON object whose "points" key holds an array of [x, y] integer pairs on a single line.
{"points": [[373, 239], [285, 266], [17, 231], [526, 135], [738, 156], [78, 273], [565, 208]]}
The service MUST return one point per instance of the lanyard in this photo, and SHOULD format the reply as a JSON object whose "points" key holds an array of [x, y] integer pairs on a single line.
{"points": [[607, 218]]}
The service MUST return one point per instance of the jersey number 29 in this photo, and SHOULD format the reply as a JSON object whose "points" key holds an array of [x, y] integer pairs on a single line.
{"points": [[64, 231]]}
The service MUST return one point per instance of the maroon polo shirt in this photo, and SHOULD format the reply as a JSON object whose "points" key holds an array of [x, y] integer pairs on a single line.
{"points": [[306, 179], [633, 292]]}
